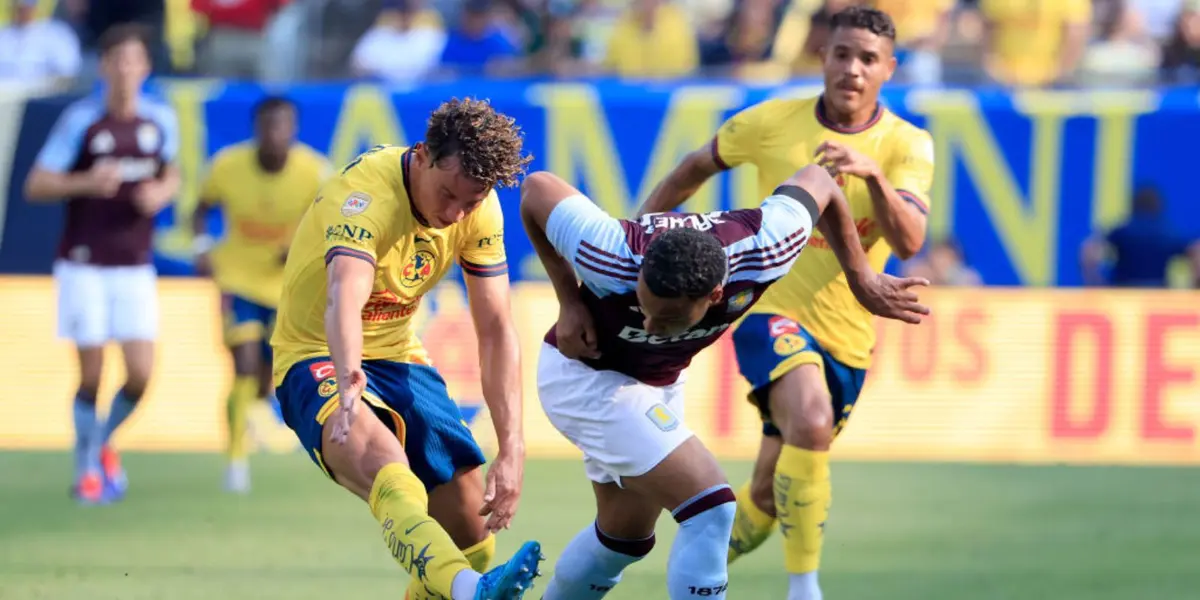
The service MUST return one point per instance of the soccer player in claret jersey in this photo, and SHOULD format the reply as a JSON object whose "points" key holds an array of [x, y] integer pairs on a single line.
{"points": [[655, 293], [110, 157], [262, 187], [806, 347], [355, 383]]}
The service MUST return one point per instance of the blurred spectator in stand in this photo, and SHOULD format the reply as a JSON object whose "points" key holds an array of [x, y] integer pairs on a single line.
{"points": [[592, 26], [404, 46], [922, 28], [1158, 16], [943, 264], [1181, 56], [36, 51], [236, 43], [653, 39], [803, 34], [1032, 43], [748, 39], [477, 42], [1141, 250], [1123, 53], [94, 17]]}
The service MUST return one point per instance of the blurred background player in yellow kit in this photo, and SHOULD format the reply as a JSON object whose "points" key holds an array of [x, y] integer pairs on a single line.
{"points": [[262, 188], [356, 384], [806, 345]]}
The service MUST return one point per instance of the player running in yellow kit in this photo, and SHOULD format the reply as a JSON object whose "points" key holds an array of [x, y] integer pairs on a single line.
{"points": [[806, 346], [355, 383], [262, 188]]}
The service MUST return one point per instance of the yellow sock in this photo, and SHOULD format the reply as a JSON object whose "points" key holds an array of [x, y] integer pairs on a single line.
{"points": [[480, 556], [417, 543], [237, 412], [802, 496], [751, 526]]}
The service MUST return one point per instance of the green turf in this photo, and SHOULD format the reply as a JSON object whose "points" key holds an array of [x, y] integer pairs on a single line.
{"points": [[898, 532]]}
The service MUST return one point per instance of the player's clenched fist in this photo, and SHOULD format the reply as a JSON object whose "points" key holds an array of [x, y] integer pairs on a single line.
{"points": [[350, 390], [575, 331], [840, 159], [104, 178]]}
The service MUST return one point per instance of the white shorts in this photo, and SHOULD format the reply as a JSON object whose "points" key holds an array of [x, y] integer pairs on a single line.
{"points": [[623, 426], [97, 304]]}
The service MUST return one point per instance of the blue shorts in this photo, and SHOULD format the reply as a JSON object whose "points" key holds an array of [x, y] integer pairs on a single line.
{"points": [[768, 346], [247, 322], [411, 400]]}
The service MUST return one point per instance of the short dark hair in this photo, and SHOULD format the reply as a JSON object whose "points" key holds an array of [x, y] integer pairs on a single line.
{"points": [[861, 17], [487, 143], [271, 103], [120, 33], [684, 262]]}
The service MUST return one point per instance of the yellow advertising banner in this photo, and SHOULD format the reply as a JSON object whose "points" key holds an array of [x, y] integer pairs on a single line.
{"points": [[1018, 375]]}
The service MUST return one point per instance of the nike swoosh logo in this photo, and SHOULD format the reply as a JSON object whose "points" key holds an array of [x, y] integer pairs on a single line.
{"points": [[418, 239], [414, 527]]}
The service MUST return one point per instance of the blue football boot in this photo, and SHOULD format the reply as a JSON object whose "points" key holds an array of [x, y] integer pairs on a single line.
{"points": [[512, 579]]}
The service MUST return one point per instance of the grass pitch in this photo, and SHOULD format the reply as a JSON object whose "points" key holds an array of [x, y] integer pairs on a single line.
{"points": [[898, 532]]}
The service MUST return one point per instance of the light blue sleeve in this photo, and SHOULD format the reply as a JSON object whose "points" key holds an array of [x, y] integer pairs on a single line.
{"points": [[595, 244], [62, 147], [162, 114]]}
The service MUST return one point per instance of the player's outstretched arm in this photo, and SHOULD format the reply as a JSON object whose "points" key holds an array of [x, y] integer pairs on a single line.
{"points": [[541, 193], [881, 294], [682, 182], [348, 280], [836, 223], [500, 370]]}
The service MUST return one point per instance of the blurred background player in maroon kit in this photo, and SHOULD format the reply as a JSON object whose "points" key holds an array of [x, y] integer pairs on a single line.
{"points": [[109, 157]]}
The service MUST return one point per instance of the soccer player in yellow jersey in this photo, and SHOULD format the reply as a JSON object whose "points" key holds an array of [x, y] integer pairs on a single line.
{"points": [[355, 383], [806, 346], [263, 188]]}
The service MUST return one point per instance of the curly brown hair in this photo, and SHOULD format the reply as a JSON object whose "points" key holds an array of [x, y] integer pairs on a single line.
{"points": [[487, 143]]}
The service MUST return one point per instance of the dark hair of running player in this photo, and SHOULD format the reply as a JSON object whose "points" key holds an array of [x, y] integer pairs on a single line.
{"points": [[861, 17], [488, 144], [684, 263], [121, 33], [683, 273], [271, 104]]}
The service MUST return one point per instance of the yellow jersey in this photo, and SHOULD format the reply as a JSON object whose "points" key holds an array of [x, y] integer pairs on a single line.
{"points": [[669, 48], [365, 212], [779, 137], [261, 210], [915, 19], [1027, 36]]}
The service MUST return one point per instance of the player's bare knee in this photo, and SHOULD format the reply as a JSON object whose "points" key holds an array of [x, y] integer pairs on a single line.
{"points": [[804, 416], [368, 449]]}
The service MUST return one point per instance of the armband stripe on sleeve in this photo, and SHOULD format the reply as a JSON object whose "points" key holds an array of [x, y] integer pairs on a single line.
{"points": [[478, 270], [912, 198], [802, 196], [344, 251], [716, 155]]}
